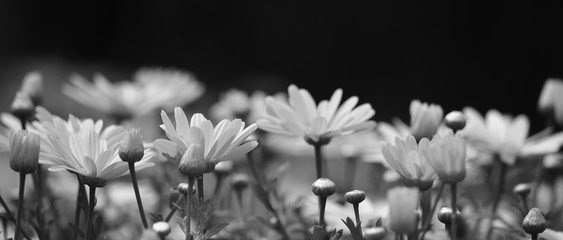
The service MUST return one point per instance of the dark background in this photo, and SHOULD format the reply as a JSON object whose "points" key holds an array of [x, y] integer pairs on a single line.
{"points": [[386, 52]]}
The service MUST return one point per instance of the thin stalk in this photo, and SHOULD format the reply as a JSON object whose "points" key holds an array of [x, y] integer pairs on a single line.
{"points": [[20, 206], [200, 189], [188, 207], [534, 236], [11, 217], [453, 188], [434, 206], [322, 206], [80, 200], [357, 213], [218, 184], [318, 160], [91, 206], [240, 202], [173, 210], [137, 194], [525, 203], [496, 201]]}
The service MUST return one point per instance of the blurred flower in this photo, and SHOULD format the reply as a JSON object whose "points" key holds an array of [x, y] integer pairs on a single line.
{"points": [[425, 119], [24, 151], [150, 90], [226, 141], [507, 136], [551, 99], [32, 86], [406, 158], [22, 107], [403, 218], [83, 148], [238, 104], [447, 155], [316, 123]]}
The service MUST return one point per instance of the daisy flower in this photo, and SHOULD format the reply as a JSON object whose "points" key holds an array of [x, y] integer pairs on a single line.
{"points": [[151, 89], [425, 119], [446, 154], [506, 136], [83, 147], [226, 141], [316, 123]]}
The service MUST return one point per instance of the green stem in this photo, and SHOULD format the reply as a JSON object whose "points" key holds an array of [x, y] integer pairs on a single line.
{"points": [[534, 236], [188, 207], [357, 213], [173, 210], [496, 201], [200, 189], [91, 206], [77, 210], [20, 206], [137, 194], [322, 206], [434, 206], [11, 216], [318, 160], [453, 188]]}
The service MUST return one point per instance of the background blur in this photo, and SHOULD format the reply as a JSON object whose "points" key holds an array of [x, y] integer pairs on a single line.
{"points": [[386, 52]]}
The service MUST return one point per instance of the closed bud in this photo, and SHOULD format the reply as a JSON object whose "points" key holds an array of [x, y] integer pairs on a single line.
{"points": [[355, 196], [445, 215], [24, 151], [324, 187], [22, 107], [32, 85], [193, 163], [374, 233], [131, 148], [240, 181], [183, 188], [522, 189], [161, 228], [534, 222], [455, 120]]}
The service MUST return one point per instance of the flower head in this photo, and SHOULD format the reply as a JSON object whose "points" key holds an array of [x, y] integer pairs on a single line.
{"points": [[32, 86], [403, 218], [551, 99], [447, 155], [226, 141], [316, 123], [150, 90], [406, 158], [193, 163], [425, 119], [22, 107], [24, 151], [534, 222], [324, 187], [131, 148]]}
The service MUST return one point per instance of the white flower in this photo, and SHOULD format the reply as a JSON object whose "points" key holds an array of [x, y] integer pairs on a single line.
{"points": [[32, 86], [226, 141], [551, 98], [446, 154], [317, 123], [507, 136], [151, 89], [425, 119], [82, 147], [403, 218]]}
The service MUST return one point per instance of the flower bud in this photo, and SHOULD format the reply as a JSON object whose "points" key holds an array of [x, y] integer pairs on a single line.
{"points": [[240, 181], [355, 196], [22, 107], [522, 189], [183, 188], [161, 228], [534, 222], [131, 148], [324, 187], [445, 215], [32, 85], [24, 151], [455, 120], [374, 233], [193, 163]]}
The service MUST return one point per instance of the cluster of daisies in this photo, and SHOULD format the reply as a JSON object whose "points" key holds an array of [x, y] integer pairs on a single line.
{"points": [[433, 151]]}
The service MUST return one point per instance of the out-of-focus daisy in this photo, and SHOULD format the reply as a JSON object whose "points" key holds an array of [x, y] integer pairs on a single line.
{"points": [[447, 155], [238, 104], [226, 141], [32, 86], [425, 119], [151, 89], [506, 136], [405, 157], [82, 147], [316, 123], [551, 99], [403, 217]]}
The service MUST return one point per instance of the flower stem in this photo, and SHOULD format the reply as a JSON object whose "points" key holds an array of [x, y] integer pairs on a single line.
{"points": [[173, 210], [20, 206], [200, 189], [11, 216], [534, 236], [357, 213], [453, 188], [496, 201], [80, 201], [434, 206], [322, 206], [137, 194], [188, 207], [318, 160], [91, 206]]}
